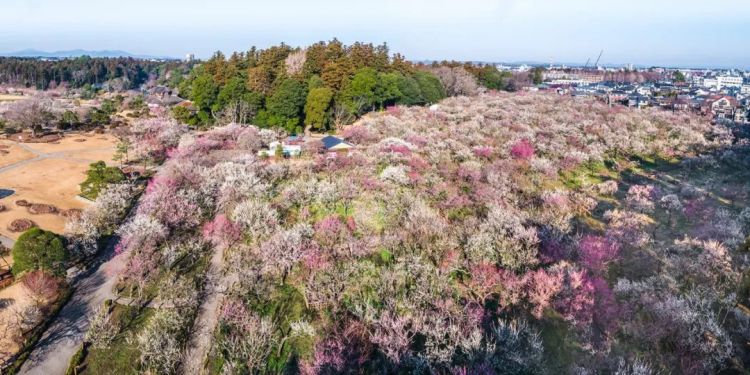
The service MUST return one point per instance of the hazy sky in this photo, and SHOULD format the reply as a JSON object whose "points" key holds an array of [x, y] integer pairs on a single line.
{"points": [[659, 32]]}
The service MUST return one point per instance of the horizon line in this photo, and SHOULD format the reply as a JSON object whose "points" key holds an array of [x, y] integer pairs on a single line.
{"points": [[517, 61]]}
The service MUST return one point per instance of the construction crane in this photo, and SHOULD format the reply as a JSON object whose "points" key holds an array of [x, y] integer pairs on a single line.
{"points": [[596, 65], [587, 63]]}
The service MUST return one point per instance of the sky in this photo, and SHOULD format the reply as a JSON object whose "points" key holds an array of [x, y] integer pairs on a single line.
{"points": [[644, 32]]}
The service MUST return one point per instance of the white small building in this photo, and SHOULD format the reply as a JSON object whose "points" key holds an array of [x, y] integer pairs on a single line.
{"points": [[710, 82], [286, 150], [643, 90], [730, 81], [722, 81]]}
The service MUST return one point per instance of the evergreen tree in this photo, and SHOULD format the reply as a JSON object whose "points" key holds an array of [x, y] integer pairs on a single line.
{"points": [[411, 94], [38, 249], [387, 91], [315, 82], [204, 92], [537, 75], [69, 118], [430, 86], [491, 78], [284, 107], [360, 95], [98, 177], [316, 109]]}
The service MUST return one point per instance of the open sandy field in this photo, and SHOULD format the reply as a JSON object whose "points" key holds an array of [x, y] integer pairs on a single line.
{"points": [[75, 143], [11, 153], [50, 175]]}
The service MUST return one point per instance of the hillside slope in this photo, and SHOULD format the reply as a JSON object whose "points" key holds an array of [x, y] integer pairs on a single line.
{"points": [[506, 233]]}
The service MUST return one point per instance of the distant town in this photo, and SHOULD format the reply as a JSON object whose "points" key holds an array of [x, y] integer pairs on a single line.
{"points": [[722, 94]]}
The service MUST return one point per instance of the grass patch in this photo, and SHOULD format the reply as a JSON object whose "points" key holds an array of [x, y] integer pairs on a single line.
{"points": [[560, 347], [75, 367], [283, 306], [119, 357], [588, 174]]}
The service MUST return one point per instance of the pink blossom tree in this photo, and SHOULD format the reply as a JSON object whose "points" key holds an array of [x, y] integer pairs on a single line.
{"points": [[522, 150], [221, 231], [596, 252]]}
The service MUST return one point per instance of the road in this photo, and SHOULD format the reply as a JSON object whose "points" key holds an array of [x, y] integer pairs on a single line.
{"points": [[59, 343]]}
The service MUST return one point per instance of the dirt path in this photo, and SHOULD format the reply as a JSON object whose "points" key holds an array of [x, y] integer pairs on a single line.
{"points": [[53, 352], [208, 317]]}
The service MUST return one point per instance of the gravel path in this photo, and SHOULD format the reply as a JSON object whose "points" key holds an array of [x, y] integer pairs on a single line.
{"points": [[52, 354]]}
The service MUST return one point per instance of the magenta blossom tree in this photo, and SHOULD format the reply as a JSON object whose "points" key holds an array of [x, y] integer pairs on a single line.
{"points": [[522, 150], [596, 252]]}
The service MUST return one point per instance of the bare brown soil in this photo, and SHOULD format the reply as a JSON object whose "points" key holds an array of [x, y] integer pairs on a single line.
{"points": [[12, 153], [20, 225], [40, 209]]}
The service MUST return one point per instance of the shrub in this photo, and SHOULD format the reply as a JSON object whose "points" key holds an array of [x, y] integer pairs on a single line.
{"points": [[98, 177], [40, 208], [38, 249]]}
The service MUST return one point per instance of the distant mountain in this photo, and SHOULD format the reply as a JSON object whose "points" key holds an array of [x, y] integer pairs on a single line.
{"points": [[76, 53]]}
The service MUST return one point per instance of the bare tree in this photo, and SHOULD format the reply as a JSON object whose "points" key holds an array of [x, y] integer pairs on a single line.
{"points": [[31, 114], [342, 115], [456, 81], [295, 61], [42, 287], [236, 112]]}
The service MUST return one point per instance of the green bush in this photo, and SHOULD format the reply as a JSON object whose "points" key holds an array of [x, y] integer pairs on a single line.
{"points": [[38, 249], [98, 177], [76, 361]]}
